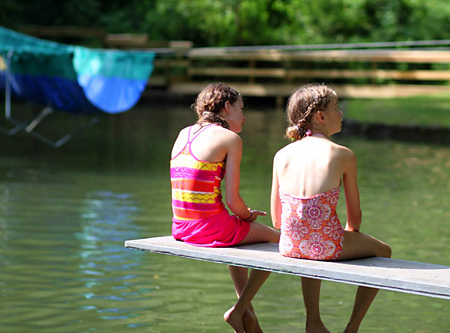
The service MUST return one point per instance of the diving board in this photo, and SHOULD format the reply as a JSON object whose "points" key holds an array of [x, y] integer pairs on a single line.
{"points": [[384, 273]]}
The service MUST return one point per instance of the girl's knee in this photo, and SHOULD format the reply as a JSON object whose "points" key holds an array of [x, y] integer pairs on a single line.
{"points": [[275, 236], [360, 245], [382, 249], [385, 251]]}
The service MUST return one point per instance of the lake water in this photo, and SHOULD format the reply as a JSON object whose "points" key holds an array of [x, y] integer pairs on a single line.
{"points": [[65, 213]]}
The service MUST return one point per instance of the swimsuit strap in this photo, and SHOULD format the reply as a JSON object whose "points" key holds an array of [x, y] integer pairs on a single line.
{"points": [[189, 141], [187, 145], [189, 135], [195, 135]]}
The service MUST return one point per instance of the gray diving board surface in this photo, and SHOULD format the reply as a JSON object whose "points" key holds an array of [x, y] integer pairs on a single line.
{"points": [[383, 273]]}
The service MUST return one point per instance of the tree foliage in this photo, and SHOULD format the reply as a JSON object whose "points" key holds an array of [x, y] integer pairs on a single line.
{"points": [[243, 22]]}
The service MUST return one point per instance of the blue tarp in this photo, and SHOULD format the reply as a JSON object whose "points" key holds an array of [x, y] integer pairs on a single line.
{"points": [[73, 78]]}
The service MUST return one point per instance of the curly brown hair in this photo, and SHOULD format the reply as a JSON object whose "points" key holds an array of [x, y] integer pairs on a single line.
{"points": [[211, 100]]}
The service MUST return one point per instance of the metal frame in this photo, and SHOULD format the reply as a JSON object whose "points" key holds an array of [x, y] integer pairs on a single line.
{"points": [[19, 126], [29, 128]]}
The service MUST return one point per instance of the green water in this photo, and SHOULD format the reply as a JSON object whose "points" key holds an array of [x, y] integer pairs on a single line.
{"points": [[65, 213]]}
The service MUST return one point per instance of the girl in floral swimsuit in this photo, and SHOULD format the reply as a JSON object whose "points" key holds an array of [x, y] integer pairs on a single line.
{"points": [[307, 178], [203, 155]]}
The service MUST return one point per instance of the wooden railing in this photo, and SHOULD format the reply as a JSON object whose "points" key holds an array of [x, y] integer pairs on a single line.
{"points": [[353, 73]]}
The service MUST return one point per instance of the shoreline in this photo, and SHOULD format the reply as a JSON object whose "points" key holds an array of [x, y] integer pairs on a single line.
{"points": [[428, 134]]}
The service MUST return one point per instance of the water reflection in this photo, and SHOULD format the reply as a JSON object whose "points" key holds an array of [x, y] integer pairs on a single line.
{"points": [[100, 238]]}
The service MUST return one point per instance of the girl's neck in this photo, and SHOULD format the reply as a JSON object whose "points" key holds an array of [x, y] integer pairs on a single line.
{"points": [[316, 134]]}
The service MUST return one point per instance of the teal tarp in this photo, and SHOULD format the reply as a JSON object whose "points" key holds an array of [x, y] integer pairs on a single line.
{"points": [[74, 78]]}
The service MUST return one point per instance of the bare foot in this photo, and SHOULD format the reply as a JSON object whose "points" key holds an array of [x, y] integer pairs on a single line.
{"points": [[235, 320], [249, 321], [251, 324]]}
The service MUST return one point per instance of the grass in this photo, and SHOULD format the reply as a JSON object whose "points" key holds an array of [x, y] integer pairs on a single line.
{"points": [[419, 110]]}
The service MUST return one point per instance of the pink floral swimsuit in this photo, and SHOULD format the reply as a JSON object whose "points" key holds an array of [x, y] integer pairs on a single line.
{"points": [[310, 227]]}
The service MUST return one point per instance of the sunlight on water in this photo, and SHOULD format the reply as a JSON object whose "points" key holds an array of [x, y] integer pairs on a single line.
{"points": [[64, 215]]}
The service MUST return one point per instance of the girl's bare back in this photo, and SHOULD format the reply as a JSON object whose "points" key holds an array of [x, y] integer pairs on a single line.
{"points": [[315, 163]]}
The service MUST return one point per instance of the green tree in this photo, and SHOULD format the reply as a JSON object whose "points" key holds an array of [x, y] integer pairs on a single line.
{"points": [[243, 22]]}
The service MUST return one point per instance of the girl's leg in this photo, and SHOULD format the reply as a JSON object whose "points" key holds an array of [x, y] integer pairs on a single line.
{"points": [[246, 288], [239, 275], [363, 300], [261, 233], [360, 245], [311, 295], [235, 315]]}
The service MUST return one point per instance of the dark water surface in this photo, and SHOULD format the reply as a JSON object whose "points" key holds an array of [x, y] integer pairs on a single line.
{"points": [[65, 213]]}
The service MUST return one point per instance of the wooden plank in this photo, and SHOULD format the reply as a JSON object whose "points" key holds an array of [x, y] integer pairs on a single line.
{"points": [[330, 74], [390, 274], [374, 74], [181, 44], [285, 90], [377, 74], [169, 62], [409, 56], [127, 40], [246, 89], [158, 81], [239, 72], [389, 91]]}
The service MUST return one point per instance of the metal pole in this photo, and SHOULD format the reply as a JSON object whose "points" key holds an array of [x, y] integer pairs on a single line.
{"points": [[8, 85]]}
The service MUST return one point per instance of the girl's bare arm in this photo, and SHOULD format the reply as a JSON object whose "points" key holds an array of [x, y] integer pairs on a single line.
{"points": [[354, 214], [232, 181], [275, 203]]}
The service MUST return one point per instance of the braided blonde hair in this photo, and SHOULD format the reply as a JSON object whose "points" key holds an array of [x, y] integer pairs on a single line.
{"points": [[303, 104]]}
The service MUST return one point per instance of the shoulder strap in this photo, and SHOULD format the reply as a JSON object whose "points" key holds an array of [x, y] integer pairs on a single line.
{"points": [[187, 144], [195, 135], [189, 136]]}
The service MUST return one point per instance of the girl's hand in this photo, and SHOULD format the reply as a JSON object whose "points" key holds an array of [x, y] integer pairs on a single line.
{"points": [[255, 214]]}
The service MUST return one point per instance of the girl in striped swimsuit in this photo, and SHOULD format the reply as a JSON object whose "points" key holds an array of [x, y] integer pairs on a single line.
{"points": [[307, 178], [204, 154]]}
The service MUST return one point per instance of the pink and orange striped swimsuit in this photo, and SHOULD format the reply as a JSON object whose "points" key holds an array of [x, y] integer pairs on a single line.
{"points": [[199, 215]]}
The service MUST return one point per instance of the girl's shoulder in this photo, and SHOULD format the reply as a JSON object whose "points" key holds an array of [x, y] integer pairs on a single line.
{"points": [[285, 153], [184, 131], [343, 155], [211, 128], [216, 136], [215, 130], [221, 133], [343, 150], [297, 147], [284, 150]]}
